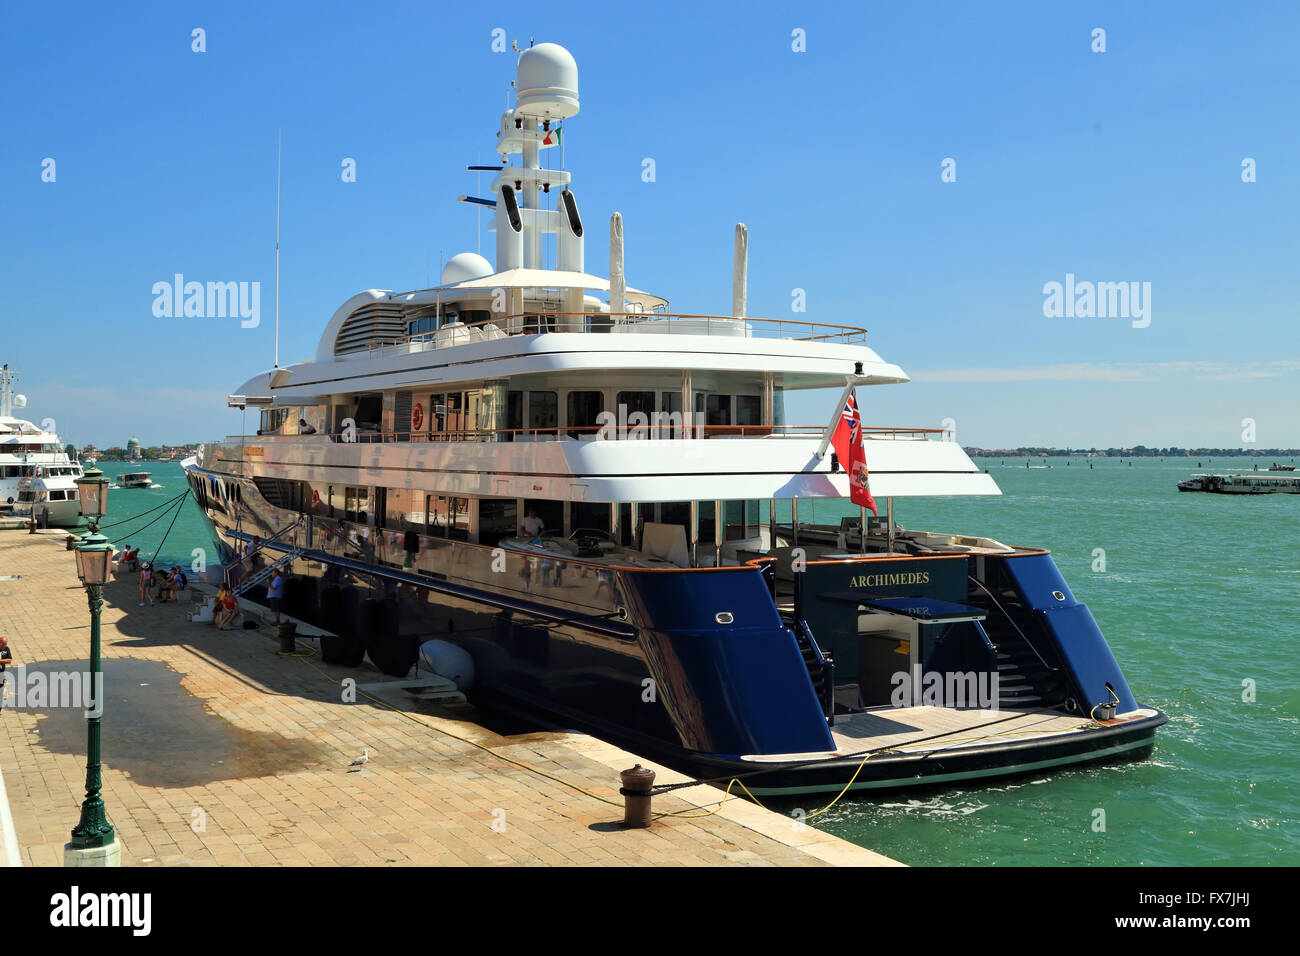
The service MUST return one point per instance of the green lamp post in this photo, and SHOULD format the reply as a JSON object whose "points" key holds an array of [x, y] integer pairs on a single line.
{"points": [[93, 839]]}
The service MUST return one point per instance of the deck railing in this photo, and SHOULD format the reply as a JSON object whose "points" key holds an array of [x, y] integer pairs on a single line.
{"points": [[551, 433], [624, 323]]}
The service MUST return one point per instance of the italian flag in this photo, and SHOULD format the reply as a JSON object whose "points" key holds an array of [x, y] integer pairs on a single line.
{"points": [[552, 137]]}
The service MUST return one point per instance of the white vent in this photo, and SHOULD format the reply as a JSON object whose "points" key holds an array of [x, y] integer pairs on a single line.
{"points": [[369, 325]]}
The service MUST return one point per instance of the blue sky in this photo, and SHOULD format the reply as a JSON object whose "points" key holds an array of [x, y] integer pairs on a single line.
{"points": [[1117, 166]]}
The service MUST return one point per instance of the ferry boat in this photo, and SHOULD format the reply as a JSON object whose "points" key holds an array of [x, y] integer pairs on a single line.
{"points": [[1258, 483], [134, 479], [36, 472], [598, 499]]}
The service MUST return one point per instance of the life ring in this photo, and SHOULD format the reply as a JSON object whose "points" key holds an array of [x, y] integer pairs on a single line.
{"points": [[417, 416]]}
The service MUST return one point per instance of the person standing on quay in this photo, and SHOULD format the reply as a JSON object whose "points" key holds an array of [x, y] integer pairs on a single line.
{"points": [[6, 658], [274, 592]]}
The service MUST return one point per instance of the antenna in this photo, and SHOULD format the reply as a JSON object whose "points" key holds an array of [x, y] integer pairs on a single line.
{"points": [[278, 139]]}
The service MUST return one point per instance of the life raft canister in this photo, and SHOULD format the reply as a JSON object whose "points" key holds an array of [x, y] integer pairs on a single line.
{"points": [[417, 416]]}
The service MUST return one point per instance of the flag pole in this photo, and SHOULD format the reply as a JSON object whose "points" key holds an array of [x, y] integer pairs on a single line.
{"points": [[835, 418]]}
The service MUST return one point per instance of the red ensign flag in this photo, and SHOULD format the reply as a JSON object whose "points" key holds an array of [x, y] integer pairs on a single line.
{"points": [[847, 441]]}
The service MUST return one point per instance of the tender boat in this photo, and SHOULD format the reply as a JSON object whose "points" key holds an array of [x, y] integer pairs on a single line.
{"points": [[679, 606], [135, 479]]}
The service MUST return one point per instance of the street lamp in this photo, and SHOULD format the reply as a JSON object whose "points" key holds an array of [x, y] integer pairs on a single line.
{"points": [[93, 841]]}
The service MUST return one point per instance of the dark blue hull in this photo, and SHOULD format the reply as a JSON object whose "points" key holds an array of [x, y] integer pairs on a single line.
{"points": [[698, 668]]}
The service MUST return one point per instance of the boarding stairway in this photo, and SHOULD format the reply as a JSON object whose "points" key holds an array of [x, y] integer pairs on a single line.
{"points": [[1025, 679], [821, 669], [287, 552]]}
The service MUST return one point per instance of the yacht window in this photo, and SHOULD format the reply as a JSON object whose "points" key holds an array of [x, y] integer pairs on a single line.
{"points": [[448, 517], [583, 409], [543, 410], [514, 413], [589, 514], [272, 419], [455, 412], [437, 414], [718, 410], [749, 410], [427, 324], [643, 402], [369, 412], [497, 519], [671, 404]]}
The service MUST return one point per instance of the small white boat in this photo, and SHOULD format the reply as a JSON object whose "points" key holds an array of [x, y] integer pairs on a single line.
{"points": [[50, 496], [134, 479]]}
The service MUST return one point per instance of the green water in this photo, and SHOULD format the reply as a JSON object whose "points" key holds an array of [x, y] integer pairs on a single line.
{"points": [[189, 531], [1199, 593]]}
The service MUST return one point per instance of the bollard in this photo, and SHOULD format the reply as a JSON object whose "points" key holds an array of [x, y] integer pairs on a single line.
{"points": [[636, 796], [31, 526], [69, 540], [287, 631]]}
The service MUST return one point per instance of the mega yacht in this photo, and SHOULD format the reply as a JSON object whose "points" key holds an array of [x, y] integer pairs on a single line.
{"points": [[597, 499], [37, 477]]}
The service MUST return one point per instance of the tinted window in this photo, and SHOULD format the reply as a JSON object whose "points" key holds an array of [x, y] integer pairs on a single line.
{"points": [[583, 407]]}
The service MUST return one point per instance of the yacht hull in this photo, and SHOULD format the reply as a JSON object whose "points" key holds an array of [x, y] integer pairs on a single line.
{"points": [[694, 668]]}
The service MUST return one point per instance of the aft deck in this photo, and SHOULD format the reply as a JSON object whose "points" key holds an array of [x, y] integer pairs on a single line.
{"points": [[909, 730]]}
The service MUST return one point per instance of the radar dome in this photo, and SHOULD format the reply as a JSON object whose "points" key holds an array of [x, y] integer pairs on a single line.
{"points": [[20, 401], [547, 81], [466, 266]]}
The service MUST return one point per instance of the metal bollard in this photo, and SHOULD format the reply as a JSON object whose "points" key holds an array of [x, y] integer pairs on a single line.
{"points": [[287, 631], [636, 796], [69, 541]]}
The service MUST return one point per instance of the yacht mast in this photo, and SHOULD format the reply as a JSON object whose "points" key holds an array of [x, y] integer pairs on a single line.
{"points": [[6, 392], [278, 140]]}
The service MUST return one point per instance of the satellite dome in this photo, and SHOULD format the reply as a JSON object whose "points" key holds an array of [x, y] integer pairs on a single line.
{"points": [[547, 81], [20, 401], [465, 266]]}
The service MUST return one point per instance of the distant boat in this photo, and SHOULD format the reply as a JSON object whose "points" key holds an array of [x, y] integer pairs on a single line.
{"points": [[1254, 484], [1281, 468], [36, 475], [134, 479]]}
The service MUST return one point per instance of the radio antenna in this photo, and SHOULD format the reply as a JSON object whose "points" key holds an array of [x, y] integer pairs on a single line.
{"points": [[278, 140]]}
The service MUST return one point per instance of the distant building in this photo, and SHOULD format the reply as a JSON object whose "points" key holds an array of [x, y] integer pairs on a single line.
{"points": [[133, 449], [90, 451]]}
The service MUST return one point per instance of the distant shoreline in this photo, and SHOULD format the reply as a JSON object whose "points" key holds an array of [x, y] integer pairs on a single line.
{"points": [[1138, 452]]}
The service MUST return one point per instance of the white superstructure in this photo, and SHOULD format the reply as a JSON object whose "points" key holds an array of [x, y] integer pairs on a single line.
{"points": [[29, 456], [534, 383]]}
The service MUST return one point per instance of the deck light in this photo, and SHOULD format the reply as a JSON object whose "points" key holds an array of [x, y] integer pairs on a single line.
{"points": [[92, 492]]}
